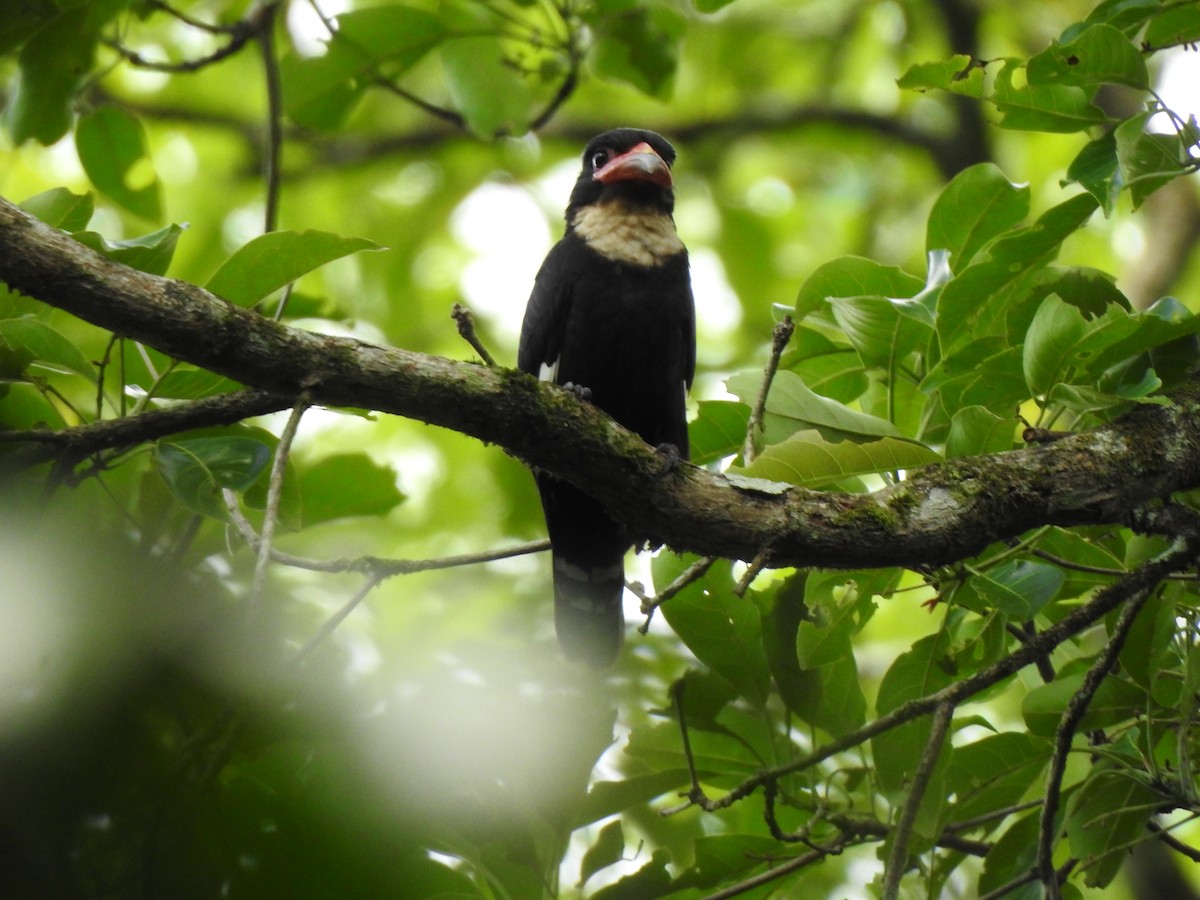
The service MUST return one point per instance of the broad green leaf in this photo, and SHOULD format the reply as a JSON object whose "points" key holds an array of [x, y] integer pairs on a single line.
{"points": [[1179, 24], [806, 458], [51, 64], [997, 383], [983, 291], [1098, 55], [1095, 170], [21, 21], [149, 253], [59, 208], [38, 343], [959, 74], [272, 260], [184, 383], [853, 276], [112, 149], [381, 41], [1126, 15], [1106, 816], [1147, 161], [607, 849], [1013, 855], [830, 369], [993, 773], [607, 798], [797, 409], [722, 858], [975, 431], [882, 330], [659, 746], [347, 484], [638, 45], [1019, 588], [719, 430], [197, 469], [724, 631], [485, 89], [1060, 339], [976, 206], [1115, 701], [1060, 108]]}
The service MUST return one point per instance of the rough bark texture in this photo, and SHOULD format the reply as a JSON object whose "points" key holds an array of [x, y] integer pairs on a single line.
{"points": [[940, 514]]}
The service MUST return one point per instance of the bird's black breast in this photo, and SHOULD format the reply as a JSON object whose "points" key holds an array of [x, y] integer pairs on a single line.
{"points": [[624, 331]]}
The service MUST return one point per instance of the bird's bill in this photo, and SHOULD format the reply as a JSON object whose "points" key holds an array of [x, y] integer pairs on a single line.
{"points": [[641, 163]]}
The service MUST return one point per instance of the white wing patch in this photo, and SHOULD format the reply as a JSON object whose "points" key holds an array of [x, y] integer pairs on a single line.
{"points": [[548, 372]]}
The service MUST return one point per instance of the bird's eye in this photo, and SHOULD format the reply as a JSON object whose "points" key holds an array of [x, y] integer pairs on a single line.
{"points": [[599, 158]]}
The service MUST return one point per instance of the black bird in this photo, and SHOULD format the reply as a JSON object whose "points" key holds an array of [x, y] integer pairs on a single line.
{"points": [[611, 316]]}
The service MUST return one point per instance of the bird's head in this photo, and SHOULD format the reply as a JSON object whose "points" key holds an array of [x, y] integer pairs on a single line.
{"points": [[626, 165]]}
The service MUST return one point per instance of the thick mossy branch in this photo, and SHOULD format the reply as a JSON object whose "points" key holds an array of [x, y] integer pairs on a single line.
{"points": [[941, 513]]}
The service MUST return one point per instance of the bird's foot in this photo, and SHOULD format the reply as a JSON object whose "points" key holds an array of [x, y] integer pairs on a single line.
{"points": [[670, 457], [583, 393]]}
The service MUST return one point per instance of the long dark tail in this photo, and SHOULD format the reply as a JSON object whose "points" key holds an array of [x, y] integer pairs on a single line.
{"points": [[589, 574]]}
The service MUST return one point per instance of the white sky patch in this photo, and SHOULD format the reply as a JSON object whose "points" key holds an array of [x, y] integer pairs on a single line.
{"points": [[507, 231], [1177, 86], [718, 310], [306, 28]]}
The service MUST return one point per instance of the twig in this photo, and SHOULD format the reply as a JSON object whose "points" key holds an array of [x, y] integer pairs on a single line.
{"points": [[274, 492], [794, 865], [330, 625], [692, 573], [1067, 726], [265, 35], [466, 328], [779, 339], [1173, 842], [1005, 889], [752, 570], [897, 862]]}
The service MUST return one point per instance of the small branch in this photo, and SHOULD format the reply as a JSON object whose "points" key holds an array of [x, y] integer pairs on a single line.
{"points": [[752, 571], [466, 328], [274, 492], [1005, 889], [1173, 842], [369, 584], [1067, 726], [779, 339], [265, 35], [692, 573], [794, 865], [897, 862]]}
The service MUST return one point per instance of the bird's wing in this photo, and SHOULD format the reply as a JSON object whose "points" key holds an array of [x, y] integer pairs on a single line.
{"points": [[545, 318]]}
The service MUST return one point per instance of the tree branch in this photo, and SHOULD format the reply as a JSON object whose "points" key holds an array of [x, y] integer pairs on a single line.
{"points": [[939, 514]]}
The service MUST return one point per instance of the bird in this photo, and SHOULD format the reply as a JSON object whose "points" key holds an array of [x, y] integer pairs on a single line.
{"points": [[611, 317]]}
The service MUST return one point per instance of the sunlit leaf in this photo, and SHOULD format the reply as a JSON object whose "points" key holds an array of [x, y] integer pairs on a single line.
{"points": [[38, 343], [59, 208], [975, 430], [959, 74], [853, 276], [1098, 55], [272, 260], [807, 459], [977, 205], [346, 484], [151, 252], [1047, 107], [112, 148], [798, 408], [1147, 161]]}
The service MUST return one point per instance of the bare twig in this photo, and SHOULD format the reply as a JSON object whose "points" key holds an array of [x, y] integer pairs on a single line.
{"points": [[265, 35], [794, 865], [897, 862], [330, 625], [466, 328], [274, 492], [779, 339], [692, 573], [752, 570]]}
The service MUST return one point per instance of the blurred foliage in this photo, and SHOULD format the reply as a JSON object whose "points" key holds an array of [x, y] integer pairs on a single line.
{"points": [[940, 194]]}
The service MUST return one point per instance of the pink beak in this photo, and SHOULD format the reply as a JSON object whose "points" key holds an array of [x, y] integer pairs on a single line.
{"points": [[641, 163]]}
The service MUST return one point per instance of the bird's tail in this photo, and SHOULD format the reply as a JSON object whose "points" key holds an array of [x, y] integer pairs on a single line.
{"points": [[589, 573], [587, 610]]}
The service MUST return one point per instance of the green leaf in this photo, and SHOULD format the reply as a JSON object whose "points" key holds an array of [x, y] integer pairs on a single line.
{"points": [[959, 74], [51, 65], [882, 330], [1057, 108], [975, 431], [1098, 55], [272, 260], [384, 40], [183, 383], [607, 849], [1174, 26], [112, 149], [37, 343], [1115, 701], [1106, 817], [197, 469], [59, 208], [347, 484], [976, 206], [722, 858], [1019, 588], [1095, 170], [719, 430], [796, 408], [1147, 161], [651, 880], [638, 45], [994, 773], [607, 798], [805, 458], [149, 253], [853, 276], [484, 87], [724, 631]]}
